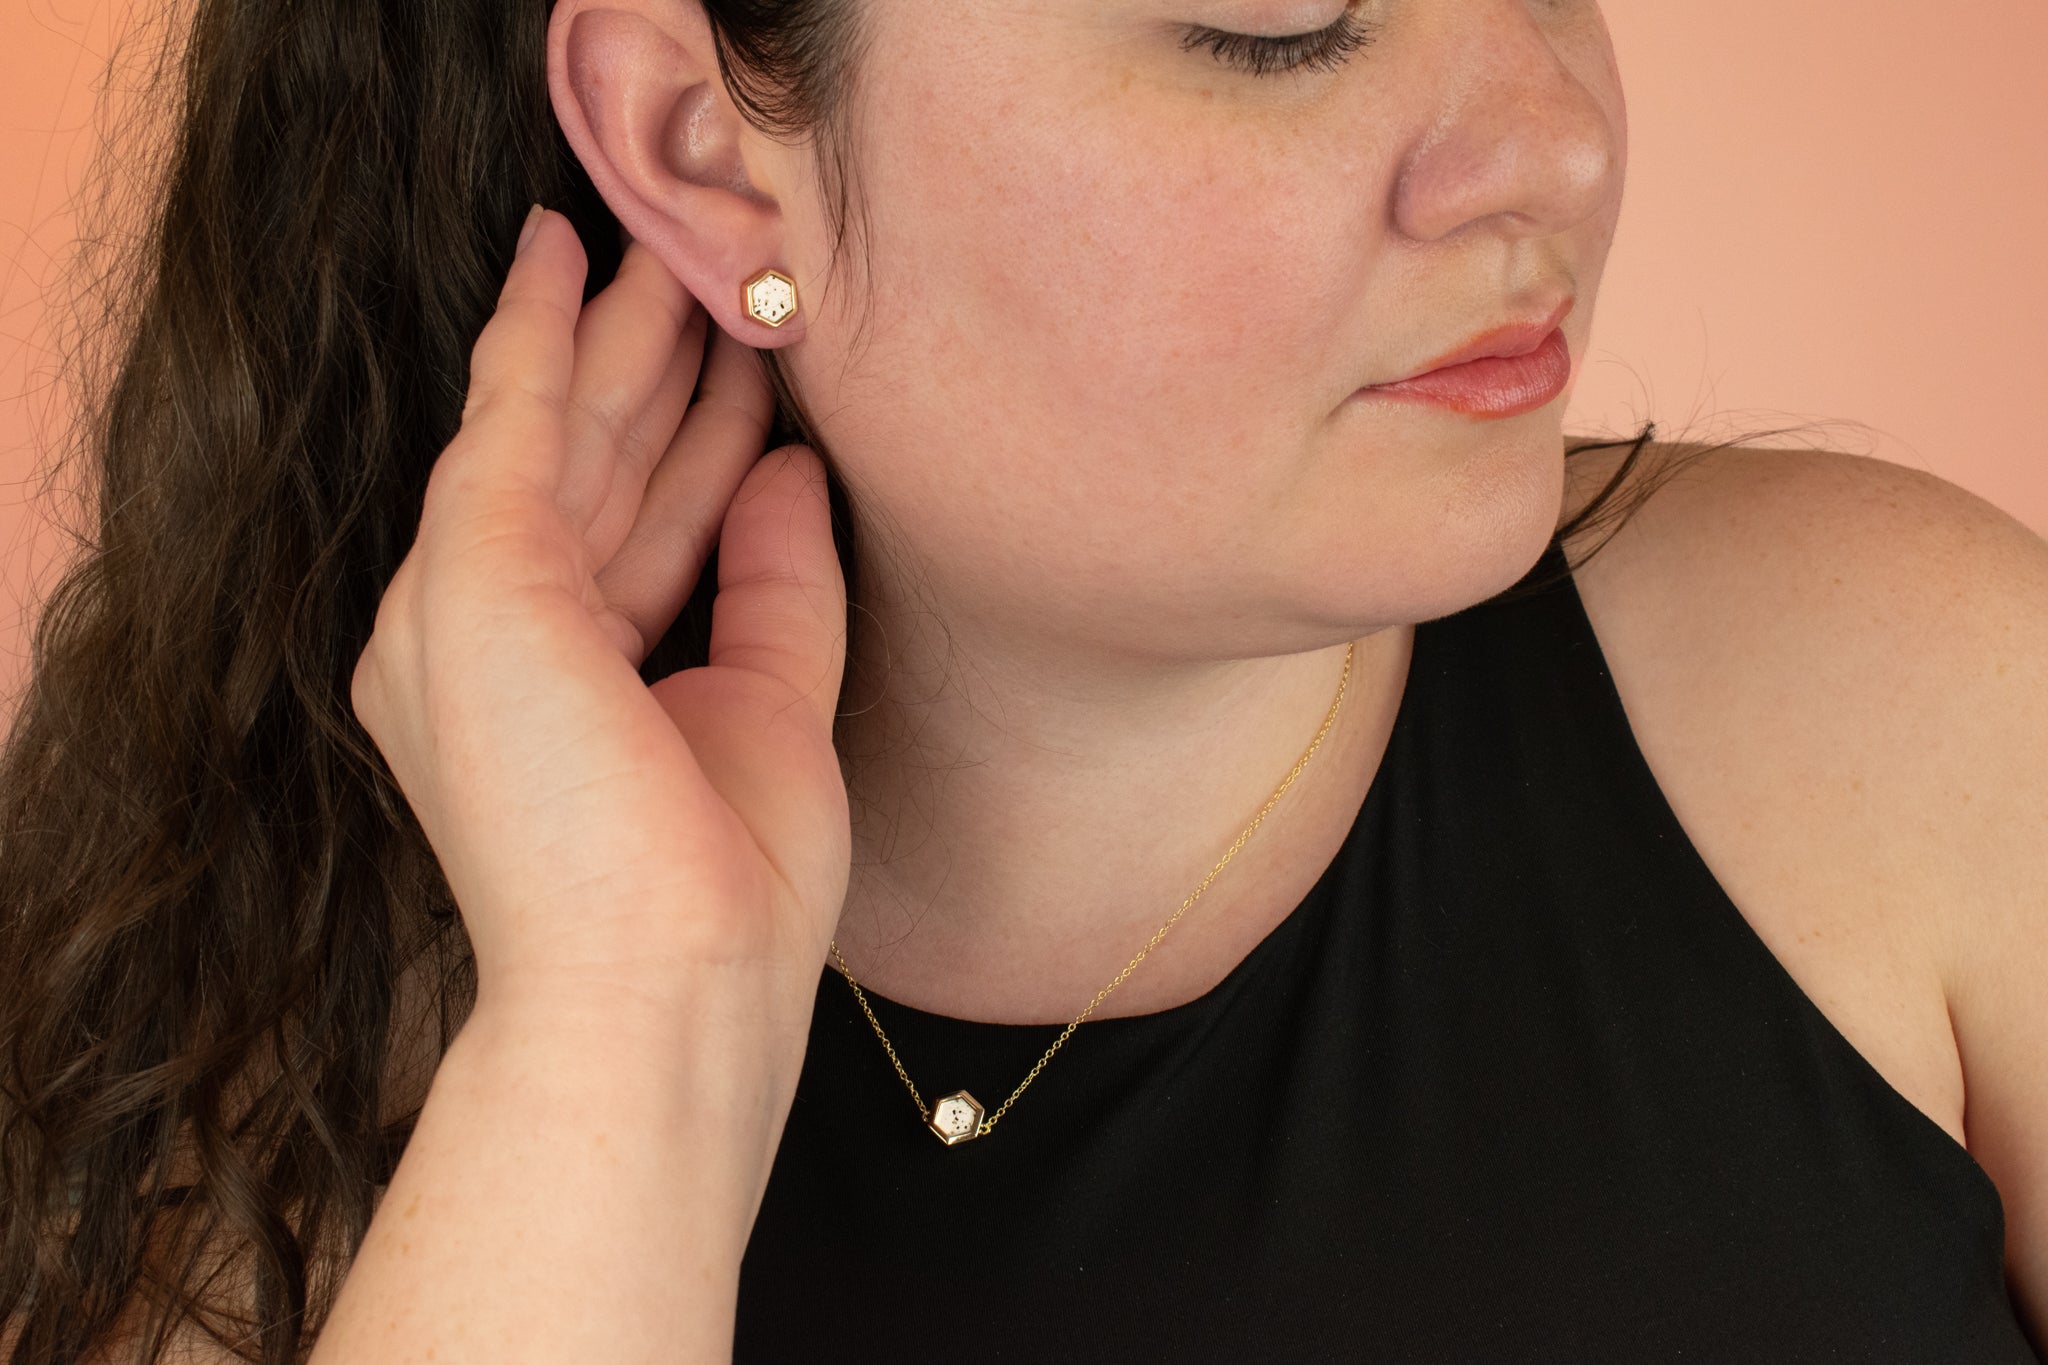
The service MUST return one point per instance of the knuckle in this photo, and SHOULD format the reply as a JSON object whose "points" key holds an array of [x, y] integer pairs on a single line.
{"points": [[363, 687], [509, 336], [607, 414], [448, 469], [517, 398]]}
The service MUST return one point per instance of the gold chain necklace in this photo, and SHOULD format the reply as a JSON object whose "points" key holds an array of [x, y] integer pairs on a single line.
{"points": [[958, 1116]]}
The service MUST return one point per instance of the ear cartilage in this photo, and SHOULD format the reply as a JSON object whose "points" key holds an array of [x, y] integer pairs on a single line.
{"points": [[770, 297]]}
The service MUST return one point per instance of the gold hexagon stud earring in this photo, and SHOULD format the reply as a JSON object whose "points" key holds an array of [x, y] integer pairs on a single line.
{"points": [[770, 297]]}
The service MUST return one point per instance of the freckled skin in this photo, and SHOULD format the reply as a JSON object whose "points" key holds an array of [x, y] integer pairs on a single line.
{"points": [[1121, 512], [1100, 252]]}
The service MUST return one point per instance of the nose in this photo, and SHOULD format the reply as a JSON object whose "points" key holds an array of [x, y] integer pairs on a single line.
{"points": [[1520, 141]]}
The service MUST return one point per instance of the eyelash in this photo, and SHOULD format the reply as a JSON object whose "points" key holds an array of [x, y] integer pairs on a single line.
{"points": [[1326, 49]]}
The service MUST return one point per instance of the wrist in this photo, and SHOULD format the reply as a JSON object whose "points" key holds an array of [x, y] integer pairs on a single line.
{"points": [[714, 1069]]}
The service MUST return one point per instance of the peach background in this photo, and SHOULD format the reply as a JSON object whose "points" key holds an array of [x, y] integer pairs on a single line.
{"points": [[1833, 213]]}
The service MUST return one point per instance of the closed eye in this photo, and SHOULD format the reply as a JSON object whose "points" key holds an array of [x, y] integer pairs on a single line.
{"points": [[1325, 49]]}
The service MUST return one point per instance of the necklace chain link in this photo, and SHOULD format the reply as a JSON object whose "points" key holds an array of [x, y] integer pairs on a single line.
{"points": [[982, 1126]]}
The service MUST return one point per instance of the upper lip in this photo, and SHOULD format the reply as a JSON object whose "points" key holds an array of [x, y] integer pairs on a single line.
{"points": [[1510, 339]]}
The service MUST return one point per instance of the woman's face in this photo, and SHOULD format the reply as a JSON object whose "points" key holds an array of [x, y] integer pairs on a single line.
{"points": [[1123, 297]]}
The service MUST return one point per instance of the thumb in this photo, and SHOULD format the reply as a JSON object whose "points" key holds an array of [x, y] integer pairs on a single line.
{"points": [[781, 605]]}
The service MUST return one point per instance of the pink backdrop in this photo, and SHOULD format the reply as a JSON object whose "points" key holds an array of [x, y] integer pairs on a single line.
{"points": [[1833, 214]]}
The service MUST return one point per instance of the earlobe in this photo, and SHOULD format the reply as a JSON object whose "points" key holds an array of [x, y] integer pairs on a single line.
{"points": [[636, 88]]}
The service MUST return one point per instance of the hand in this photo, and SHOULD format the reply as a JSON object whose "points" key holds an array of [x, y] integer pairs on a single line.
{"points": [[601, 835]]}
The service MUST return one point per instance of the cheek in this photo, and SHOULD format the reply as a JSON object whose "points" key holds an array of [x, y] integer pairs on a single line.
{"points": [[1134, 288], [1227, 295]]}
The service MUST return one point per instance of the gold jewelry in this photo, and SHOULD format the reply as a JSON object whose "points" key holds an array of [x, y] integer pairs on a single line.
{"points": [[769, 297], [958, 1116]]}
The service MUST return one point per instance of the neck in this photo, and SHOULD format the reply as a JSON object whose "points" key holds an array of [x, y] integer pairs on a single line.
{"points": [[1022, 830]]}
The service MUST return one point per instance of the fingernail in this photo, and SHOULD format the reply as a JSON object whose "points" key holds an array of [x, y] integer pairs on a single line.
{"points": [[526, 233]]}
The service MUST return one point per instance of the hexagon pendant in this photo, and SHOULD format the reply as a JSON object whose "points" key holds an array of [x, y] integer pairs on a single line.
{"points": [[956, 1117]]}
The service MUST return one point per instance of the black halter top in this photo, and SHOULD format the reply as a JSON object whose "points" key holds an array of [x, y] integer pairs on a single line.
{"points": [[1514, 1082]]}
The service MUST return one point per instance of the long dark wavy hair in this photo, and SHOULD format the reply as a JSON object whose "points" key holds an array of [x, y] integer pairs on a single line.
{"points": [[215, 904]]}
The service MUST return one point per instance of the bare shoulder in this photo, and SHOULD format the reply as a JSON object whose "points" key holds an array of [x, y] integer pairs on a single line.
{"points": [[1845, 559], [1837, 667]]}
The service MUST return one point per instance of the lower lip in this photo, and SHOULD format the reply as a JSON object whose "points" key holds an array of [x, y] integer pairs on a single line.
{"points": [[1495, 386]]}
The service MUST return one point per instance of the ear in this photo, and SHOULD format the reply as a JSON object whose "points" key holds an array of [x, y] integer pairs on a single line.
{"points": [[636, 90]]}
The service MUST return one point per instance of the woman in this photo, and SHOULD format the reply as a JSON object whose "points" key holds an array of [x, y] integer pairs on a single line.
{"points": [[1602, 981]]}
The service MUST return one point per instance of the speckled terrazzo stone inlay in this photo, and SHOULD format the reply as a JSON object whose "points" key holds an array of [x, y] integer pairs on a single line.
{"points": [[771, 297], [956, 1117]]}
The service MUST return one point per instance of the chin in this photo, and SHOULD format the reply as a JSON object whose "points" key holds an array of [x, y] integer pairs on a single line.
{"points": [[1497, 508]]}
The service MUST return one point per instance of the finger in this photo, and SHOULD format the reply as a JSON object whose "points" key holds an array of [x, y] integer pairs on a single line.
{"points": [[522, 362], [781, 607], [650, 576], [656, 432], [636, 362]]}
